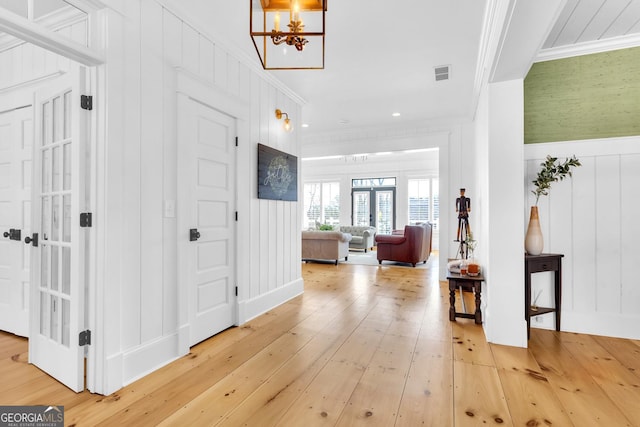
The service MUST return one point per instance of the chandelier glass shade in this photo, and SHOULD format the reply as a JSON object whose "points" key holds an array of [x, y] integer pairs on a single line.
{"points": [[288, 34]]}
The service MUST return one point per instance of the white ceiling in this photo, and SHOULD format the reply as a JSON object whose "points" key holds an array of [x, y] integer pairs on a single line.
{"points": [[584, 21], [380, 56], [381, 60]]}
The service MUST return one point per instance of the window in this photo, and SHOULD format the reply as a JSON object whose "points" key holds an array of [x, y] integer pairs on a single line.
{"points": [[321, 204], [424, 204], [373, 182]]}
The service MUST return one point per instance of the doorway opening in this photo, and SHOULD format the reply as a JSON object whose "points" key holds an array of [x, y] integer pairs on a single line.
{"points": [[374, 203]]}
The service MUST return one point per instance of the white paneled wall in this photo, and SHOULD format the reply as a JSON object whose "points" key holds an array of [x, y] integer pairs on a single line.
{"points": [[147, 44], [592, 220], [138, 281]]}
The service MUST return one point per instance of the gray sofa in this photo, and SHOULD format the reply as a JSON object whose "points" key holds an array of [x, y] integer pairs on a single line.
{"points": [[325, 245], [363, 237]]}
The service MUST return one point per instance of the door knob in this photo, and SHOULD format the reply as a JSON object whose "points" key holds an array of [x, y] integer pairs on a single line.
{"points": [[6, 234], [32, 240], [194, 234]]}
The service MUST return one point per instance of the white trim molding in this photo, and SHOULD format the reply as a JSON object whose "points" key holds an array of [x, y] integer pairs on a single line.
{"points": [[254, 307], [28, 31], [588, 48]]}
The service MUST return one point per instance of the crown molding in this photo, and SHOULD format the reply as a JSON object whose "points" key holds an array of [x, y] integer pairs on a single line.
{"points": [[587, 48]]}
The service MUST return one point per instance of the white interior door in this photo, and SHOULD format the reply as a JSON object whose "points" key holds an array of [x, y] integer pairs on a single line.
{"points": [[16, 144], [207, 223], [57, 279]]}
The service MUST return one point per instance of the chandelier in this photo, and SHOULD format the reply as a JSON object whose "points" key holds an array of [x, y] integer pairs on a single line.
{"points": [[294, 45]]}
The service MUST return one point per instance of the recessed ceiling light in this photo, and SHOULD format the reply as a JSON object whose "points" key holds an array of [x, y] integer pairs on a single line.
{"points": [[343, 121], [396, 114], [305, 125]]}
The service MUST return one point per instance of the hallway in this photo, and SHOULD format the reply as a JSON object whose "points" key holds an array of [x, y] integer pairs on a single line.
{"points": [[363, 346]]}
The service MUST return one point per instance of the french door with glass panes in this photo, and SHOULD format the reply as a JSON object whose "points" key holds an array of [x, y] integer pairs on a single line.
{"points": [[57, 241], [374, 207]]}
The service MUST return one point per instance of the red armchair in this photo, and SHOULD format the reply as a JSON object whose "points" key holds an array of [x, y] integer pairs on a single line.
{"points": [[413, 246]]}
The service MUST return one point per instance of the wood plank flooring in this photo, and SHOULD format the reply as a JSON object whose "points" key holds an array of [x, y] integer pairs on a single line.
{"points": [[363, 346]]}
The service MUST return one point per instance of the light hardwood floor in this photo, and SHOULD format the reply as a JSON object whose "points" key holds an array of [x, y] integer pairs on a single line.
{"points": [[364, 345]]}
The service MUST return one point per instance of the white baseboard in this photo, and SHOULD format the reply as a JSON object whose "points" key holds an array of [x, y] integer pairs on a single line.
{"points": [[126, 367], [254, 307], [605, 324]]}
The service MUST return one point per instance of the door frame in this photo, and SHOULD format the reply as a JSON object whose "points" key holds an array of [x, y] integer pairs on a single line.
{"points": [[373, 204], [195, 88], [76, 81], [93, 59]]}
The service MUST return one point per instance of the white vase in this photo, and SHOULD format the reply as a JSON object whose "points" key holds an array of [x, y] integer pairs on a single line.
{"points": [[533, 242]]}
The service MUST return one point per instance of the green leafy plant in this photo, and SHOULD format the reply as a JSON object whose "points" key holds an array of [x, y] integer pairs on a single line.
{"points": [[552, 171], [325, 227]]}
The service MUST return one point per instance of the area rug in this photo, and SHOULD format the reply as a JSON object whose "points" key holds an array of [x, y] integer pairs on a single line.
{"points": [[371, 258]]}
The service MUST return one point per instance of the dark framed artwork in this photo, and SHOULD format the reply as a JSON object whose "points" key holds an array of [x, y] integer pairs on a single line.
{"points": [[277, 174]]}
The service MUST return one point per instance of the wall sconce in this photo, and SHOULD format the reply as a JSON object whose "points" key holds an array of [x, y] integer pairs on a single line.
{"points": [[287, 122]]}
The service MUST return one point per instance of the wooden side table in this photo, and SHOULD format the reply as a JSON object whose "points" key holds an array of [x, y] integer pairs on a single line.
{"points": [[537, 264], [466, 282]]}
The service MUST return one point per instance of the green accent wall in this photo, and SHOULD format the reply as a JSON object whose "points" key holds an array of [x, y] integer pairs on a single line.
{"points": [[584, 97]]}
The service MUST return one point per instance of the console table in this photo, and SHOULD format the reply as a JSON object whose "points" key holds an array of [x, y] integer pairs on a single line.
{"points": [[537, 264], [466, 282]]}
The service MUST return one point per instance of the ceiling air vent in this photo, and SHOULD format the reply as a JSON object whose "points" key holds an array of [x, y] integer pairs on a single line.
{"points": [[442, 72]]}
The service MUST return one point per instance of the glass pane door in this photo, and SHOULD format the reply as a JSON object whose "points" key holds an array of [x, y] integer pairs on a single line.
{"points": [[384, 211], [57, 255], [55, 204], [361, 208]]}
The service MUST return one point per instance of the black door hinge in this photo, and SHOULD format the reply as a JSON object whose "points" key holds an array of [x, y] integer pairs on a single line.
{"points": [[236, 216], [85, 219], [86, 102], [84, 338], [236, 291], [236, 141]]}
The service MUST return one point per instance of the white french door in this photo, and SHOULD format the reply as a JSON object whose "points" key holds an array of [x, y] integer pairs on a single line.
{"points": [[361, 208], [374, 207], [57, 240], [16, 145], [385, 208], [206, 164]]}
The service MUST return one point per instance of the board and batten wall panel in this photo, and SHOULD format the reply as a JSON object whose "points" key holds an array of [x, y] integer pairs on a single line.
{"points": [[151, 178], [590, 218], [153, 42]]}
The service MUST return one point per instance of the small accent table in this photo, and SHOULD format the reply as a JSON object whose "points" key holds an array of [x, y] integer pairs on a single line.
{"points": [[466, 282], [537, 264]]}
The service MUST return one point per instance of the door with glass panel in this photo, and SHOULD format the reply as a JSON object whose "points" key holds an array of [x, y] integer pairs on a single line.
{"points": [[362, 215], [57, 241], [374, 207], [385, 211]]}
